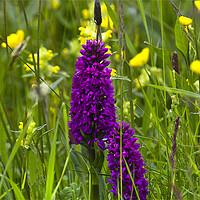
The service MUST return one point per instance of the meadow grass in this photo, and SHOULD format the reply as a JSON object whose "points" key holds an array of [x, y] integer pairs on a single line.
{"points": [[37, 161]]}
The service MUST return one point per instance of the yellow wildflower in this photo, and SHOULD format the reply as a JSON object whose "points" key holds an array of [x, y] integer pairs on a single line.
{"points": [[106, 20], [55, 4], [109, 49], [195, 66], [113, 72], [14, 39], [28, 68], [56, 69], [90, 36], [82, 30], [86, 13], [185, 21], [197, 4], [31, 57], [82, 40], [31, 127], [21, 125], [108, 34], [140, 59]]}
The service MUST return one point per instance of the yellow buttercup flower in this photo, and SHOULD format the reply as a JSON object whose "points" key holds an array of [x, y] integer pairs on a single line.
{"points": [[56, 69], [113, 72], [140, 59], [197, 4], [185, 21], [14, 39], [195, 66]]}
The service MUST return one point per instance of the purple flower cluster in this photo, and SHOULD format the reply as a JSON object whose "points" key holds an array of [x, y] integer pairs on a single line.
{"points": [[133, 158], [92, 103]]}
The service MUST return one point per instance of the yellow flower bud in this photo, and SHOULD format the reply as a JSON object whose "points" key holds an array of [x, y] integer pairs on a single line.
{"points": [[185, 21], [140, 59]]}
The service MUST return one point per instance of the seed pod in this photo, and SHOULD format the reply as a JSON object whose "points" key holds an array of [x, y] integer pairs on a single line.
{"points": [[175, 63], [97, 13]]}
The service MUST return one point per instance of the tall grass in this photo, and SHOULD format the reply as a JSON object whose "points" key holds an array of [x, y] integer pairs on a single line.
{"points": [[51, 168]]}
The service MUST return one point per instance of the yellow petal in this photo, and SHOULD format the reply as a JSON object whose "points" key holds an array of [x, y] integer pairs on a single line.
{"points": [[197, 4], [185, 21], [195, 66], [21, 125], [20, 35], [109, 49], [82, 30], [56, 69], [140, 59], [113, 72], [108, 34]]}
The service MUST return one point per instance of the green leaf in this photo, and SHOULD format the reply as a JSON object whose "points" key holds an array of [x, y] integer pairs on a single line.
{"points": [[81, 170], [17, 191], [181, 39], [124, 78], [178, 91], [51, 165]]}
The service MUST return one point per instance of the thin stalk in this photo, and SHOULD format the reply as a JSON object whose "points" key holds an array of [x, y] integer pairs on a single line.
{"points": [[5, 27], [165, 98], [29, 32], [38, 80]]}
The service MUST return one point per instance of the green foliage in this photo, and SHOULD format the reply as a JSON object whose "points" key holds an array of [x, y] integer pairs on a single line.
{"points": [[49, 167]]}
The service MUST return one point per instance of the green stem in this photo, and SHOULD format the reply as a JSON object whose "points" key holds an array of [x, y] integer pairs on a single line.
{"points": [[94, 178]]}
